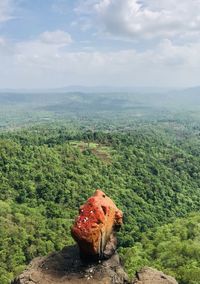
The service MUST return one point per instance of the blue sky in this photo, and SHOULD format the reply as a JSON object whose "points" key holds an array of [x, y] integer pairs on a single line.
{"points": [[56, 43]]}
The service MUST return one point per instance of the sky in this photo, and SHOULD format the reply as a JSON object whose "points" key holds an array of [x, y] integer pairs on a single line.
{"points": [[58, 43]]}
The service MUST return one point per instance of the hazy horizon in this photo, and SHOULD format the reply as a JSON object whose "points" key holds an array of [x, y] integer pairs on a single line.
{"points": [[99, 88]]}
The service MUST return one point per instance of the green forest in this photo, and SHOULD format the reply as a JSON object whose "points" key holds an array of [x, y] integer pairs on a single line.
{"points": [[99, 95], [150, 169]]}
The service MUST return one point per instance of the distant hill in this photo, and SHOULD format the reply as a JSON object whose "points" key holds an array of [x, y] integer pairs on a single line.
{"points": [[18, 108], [105, 97]]}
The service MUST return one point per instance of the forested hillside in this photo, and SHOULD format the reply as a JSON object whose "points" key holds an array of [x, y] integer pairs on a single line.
{"points": [[173, 248], [152, 172]]}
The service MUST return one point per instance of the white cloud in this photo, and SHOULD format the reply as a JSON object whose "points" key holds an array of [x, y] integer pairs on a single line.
{"points": [[37, 64], [145, 18], [57, 37], [6, 10], [172, 59], [85, 6], [47, 44]]}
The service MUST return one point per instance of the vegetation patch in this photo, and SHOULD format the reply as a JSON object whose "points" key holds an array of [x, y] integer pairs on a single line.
{"points": [[173, 248], [102, 152]]}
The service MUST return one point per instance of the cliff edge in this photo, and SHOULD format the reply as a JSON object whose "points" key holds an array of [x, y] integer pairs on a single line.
{"points": [[66, 267]]}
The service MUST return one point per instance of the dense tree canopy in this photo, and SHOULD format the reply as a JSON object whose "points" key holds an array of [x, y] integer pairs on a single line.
{"points": [[173, 248], [152, 172]]}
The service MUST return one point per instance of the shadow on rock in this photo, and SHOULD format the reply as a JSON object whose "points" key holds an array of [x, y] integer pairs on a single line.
{"points": [[67, 267]]}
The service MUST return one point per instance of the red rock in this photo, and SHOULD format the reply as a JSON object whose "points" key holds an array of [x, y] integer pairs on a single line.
{"points": [[97, 221]]}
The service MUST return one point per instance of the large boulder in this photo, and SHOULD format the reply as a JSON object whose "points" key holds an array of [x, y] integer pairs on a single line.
{"points": [[95, 226]]}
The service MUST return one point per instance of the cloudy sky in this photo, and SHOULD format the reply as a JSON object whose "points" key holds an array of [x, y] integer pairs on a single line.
{"points": [[56, 43]]}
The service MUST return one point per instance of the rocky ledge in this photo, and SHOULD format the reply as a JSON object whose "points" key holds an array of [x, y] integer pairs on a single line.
{"points": [[152, 276], [67, 267]]}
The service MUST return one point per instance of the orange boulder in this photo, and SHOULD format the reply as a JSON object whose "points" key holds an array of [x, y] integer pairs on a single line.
{"points": [[95, 226]]}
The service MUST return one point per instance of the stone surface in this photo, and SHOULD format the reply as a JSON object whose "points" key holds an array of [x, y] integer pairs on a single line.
{"points": [[152, 276], [67, 267], [95, 226]]}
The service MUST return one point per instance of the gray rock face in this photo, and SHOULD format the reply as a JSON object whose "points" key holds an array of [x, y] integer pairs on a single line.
{"points": [[66, 267], [152, 276]]}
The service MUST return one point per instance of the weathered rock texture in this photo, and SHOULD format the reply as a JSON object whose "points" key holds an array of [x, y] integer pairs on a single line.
{"points": [[152, 276], [94, 228], [66, 267]]}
